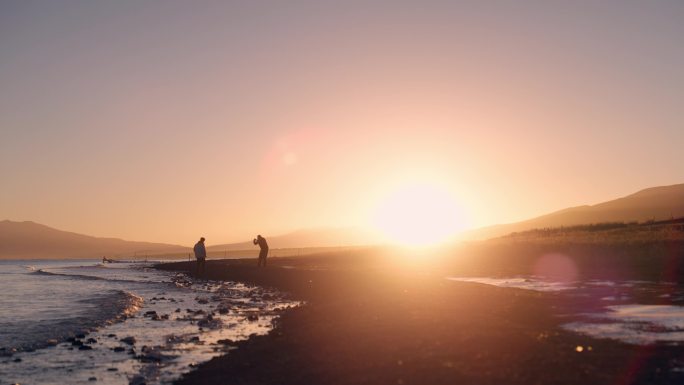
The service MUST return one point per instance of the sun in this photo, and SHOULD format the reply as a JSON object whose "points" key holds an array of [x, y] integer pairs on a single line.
{"points": [[419, 214]]}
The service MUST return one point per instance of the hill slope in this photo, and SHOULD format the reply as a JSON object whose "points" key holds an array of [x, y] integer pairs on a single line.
{"points": [[656, 203], [32, 240]]}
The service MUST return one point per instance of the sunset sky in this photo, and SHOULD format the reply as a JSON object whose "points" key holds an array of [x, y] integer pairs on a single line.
{"points": [[169, 120]]}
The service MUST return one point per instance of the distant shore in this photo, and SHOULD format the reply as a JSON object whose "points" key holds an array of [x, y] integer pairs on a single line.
{"points": [[368, 321]]}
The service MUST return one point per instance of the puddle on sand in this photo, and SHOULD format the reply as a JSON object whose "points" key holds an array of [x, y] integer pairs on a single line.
{"points": [[635, 312], [527, 283], [634, 324]]}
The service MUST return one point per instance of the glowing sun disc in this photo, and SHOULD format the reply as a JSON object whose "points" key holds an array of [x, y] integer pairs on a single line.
{"points": [[418, 215]]}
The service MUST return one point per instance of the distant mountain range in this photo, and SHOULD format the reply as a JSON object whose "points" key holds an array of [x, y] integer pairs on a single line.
{"points": [[654, 203], [35, 241], [32, 240], [320, 237]]}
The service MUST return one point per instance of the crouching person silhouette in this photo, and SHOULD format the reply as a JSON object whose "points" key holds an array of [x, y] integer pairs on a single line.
{"points": [[263, 253]]}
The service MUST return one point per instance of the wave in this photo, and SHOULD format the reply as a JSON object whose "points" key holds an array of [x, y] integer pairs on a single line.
{"points": [[124, 273], [103, 309], [88, 277], [79, 276]]}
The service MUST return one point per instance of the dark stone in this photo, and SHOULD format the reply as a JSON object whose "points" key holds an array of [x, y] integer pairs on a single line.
{"points": [[91, 341], [111, 335], [149, 358], [77, 343], [80, 335], [85, 347], [112, 369], [252, 317], [119, 349], [17, 360], [128, 340], [137, 380], [92, 379]]}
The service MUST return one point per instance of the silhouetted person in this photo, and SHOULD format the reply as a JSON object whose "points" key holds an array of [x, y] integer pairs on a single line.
{"points": [[261, 241], [200, 255]]}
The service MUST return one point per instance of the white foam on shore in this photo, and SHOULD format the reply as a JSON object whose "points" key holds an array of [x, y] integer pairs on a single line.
{"points": [[635, 324], [536, 284], [176, 322]]}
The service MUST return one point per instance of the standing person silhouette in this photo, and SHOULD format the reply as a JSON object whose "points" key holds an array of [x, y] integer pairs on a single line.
{"points": [[261, 241], [200, 255]]}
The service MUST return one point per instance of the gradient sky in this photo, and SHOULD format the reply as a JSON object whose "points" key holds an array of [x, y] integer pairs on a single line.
{"points": [[167, 120]]}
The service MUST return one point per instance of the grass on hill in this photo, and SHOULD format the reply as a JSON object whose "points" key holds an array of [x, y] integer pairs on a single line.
{"points": [[606, 233]]}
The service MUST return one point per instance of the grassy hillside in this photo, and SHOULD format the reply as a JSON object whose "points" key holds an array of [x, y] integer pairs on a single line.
{"points": [[651, 250], [656, 204], [606, 233]]}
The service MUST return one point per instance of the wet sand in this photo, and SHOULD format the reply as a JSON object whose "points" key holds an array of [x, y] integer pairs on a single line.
{"points": [[365, 322]]}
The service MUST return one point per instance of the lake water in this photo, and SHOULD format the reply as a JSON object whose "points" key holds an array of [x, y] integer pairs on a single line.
{"points": [[75, 322]]}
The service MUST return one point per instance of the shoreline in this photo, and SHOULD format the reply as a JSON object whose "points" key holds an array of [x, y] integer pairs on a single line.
{"points": [[367, 323], [170, 324]]}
